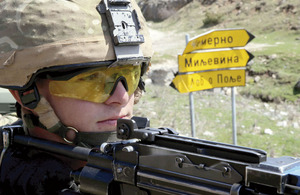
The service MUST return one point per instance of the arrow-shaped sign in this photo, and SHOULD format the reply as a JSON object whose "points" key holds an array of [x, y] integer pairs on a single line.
{"points": [[219, 39], [185, 83], [193, 62]]}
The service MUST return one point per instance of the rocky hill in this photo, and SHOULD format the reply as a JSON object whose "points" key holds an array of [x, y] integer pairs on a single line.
{"points": [[280, 14], [268, 107], [275, 23]]}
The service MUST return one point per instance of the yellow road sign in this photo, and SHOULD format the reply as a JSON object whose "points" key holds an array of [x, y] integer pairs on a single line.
{"points": [[219, 39], [193, 62], [185, 83]]}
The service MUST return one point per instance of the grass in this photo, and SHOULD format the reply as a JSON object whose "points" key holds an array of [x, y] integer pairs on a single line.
{"points": [[161, 58], [165, 107], [267, 110], [277, 64], [280, 42]]}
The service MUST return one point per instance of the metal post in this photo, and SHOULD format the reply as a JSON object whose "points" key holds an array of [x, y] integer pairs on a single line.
{"points": [[234, 133], [192, 113], [191, 97]]}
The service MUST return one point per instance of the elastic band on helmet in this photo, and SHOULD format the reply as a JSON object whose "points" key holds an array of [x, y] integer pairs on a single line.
{"points": [[30, 97]]}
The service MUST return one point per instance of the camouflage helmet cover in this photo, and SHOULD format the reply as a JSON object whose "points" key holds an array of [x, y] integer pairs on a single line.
{"points": [[37, 34]]}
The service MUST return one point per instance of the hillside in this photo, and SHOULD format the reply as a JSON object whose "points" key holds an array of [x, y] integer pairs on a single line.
{"points": [[276, 47], [268, 107]]}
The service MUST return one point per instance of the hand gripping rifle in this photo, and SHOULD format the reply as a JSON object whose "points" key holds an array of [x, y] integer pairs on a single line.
{"points": [[151, 161]]}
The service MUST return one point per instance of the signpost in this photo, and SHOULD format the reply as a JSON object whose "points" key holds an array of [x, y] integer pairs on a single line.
{"points": [[193, 62], [219, 39], [185, 83], [205, 64]]}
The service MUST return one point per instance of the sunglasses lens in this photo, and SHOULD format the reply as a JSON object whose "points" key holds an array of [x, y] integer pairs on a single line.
{"points": [[96, 85]]}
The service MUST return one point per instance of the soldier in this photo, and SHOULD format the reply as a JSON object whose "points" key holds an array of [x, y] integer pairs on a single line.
{"points": [[74, 67]]}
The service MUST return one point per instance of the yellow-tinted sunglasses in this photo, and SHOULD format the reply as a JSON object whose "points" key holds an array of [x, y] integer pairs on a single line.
{"points": [[97, 85]]}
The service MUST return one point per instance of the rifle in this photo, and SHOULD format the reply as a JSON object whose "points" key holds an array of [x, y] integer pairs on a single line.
{"points": [[152, 161]]}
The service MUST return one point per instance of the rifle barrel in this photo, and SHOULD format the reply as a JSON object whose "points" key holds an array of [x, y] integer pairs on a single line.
{"points": [[75, 152]]}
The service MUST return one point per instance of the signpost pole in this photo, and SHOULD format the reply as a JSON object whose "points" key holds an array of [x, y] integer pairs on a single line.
{"points": [[206, 69], [234, 133], [191, 97], [192, 113]]}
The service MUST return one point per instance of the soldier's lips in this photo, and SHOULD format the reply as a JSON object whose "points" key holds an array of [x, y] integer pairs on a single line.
{"points": [[110, 122]]}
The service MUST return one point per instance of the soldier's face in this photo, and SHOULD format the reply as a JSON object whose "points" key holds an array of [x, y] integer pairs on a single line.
{"points": [[88, 116]]}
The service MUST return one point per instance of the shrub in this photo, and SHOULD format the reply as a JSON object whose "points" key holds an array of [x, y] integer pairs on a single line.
{"points": [[211, 19]]}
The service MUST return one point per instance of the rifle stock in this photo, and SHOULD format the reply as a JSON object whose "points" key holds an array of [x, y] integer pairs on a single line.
{"points": [[153, 161]]}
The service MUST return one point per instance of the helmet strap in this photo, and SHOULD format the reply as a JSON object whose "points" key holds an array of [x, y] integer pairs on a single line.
{"points": [[142, 84], [93, 139], [48, 120], [30, 97], [46, 114], [45, 119]]}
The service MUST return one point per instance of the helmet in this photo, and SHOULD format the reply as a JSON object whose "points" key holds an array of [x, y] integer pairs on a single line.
{"points": [[55, 36], [42, 35]]}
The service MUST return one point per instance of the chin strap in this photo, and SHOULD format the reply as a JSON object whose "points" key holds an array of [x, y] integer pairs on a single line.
{"points": [[93, 139], [48, 120]]}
